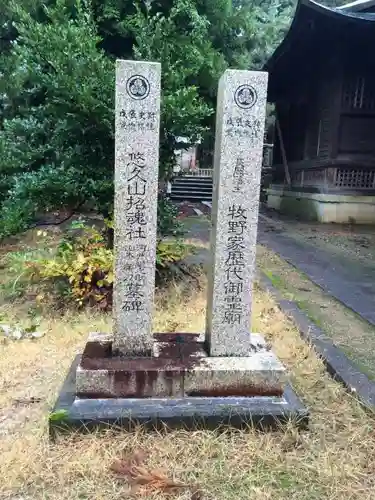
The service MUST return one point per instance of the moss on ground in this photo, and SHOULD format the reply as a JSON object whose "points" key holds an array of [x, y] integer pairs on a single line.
{"points": [[347, 329]]}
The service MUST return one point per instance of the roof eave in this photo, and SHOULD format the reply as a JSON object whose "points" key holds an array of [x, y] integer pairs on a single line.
{"points": [[357, 6], [339, 15]]}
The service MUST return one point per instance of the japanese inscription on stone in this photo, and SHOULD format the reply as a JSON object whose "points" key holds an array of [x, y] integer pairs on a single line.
{"points": [[136, 178], [234, 265], [237, 166]]}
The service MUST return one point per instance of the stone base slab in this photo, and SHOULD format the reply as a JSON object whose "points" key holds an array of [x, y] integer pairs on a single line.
{"points": [[179, 367], [187, 412], [321, 207]]}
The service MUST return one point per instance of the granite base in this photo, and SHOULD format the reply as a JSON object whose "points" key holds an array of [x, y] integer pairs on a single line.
{"points": [[177, 367], [187, 412]]}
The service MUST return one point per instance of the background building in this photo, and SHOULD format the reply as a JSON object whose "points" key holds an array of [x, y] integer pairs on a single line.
{"points": [[322, 82]]}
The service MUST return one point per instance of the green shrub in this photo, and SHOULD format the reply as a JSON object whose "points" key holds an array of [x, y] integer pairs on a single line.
{"points": [[168, 222], [56, 114], [82, 266], [169, 252]]}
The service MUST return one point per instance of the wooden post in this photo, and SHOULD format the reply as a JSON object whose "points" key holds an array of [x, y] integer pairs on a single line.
{"points": [[283, 154]]}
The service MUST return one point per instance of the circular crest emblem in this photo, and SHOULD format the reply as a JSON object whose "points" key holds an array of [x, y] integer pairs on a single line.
{"points": [[245, 96], [138, 87]]}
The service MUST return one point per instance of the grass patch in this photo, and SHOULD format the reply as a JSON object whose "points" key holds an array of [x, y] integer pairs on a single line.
{"points": [[281, 284], [35, 245], [276, 280], [362, 366], [304, 306], [332, 460]]}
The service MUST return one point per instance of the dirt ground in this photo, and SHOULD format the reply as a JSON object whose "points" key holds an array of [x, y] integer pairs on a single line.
{"points": [[357, 241], [348, 331]]}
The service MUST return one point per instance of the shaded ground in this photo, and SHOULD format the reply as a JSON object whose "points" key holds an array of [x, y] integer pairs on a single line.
{"points": [[339, 273], [352, 334], [353, 241]]}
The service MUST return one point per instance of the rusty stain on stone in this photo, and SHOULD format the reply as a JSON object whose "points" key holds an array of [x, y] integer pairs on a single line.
{"points": [[172, 337], [180, 346], [168, 377], [94, 395], [178, 355], [97, 349], [134, 384], [121, 383]]}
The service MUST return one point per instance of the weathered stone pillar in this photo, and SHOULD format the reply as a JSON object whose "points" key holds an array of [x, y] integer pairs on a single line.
{"points": [[240, 119], [136, 187]]}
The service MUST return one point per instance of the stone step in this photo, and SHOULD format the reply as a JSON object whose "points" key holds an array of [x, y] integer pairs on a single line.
{"points": [[190, 182], [190, 197], [193, 191], [193, 177], [193, 186], [203, 189], [190, 189]]}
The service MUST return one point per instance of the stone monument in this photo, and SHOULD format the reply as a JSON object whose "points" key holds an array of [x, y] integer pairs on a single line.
{"points": [[240, 120], [136, 188], [228, 375]]}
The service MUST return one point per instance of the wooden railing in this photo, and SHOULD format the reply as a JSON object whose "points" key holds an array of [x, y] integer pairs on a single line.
{"points": [[208, 172], [198, 172]]}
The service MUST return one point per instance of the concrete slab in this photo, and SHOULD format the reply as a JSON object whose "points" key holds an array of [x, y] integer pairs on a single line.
{"points": [[197, 211], [207, 203]]}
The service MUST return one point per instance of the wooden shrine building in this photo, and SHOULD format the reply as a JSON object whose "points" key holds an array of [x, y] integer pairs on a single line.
{"points": [[322, 82]]}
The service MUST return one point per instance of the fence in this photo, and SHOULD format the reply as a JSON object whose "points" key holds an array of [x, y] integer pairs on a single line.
{"points": [[189, 167], [198, 172]]}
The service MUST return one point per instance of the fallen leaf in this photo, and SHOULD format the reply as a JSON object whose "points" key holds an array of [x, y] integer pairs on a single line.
{"points": [[197, 495], [142, 480], [27, 401], [125, 466], [58, 416]]}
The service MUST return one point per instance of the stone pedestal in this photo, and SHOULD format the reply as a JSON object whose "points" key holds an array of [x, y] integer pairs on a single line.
{"points": [[179, 367], [179, 386]]}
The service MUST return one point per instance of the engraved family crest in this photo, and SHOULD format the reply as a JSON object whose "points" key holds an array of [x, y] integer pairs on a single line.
{"points": [[138, 87], [245, 96]]}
